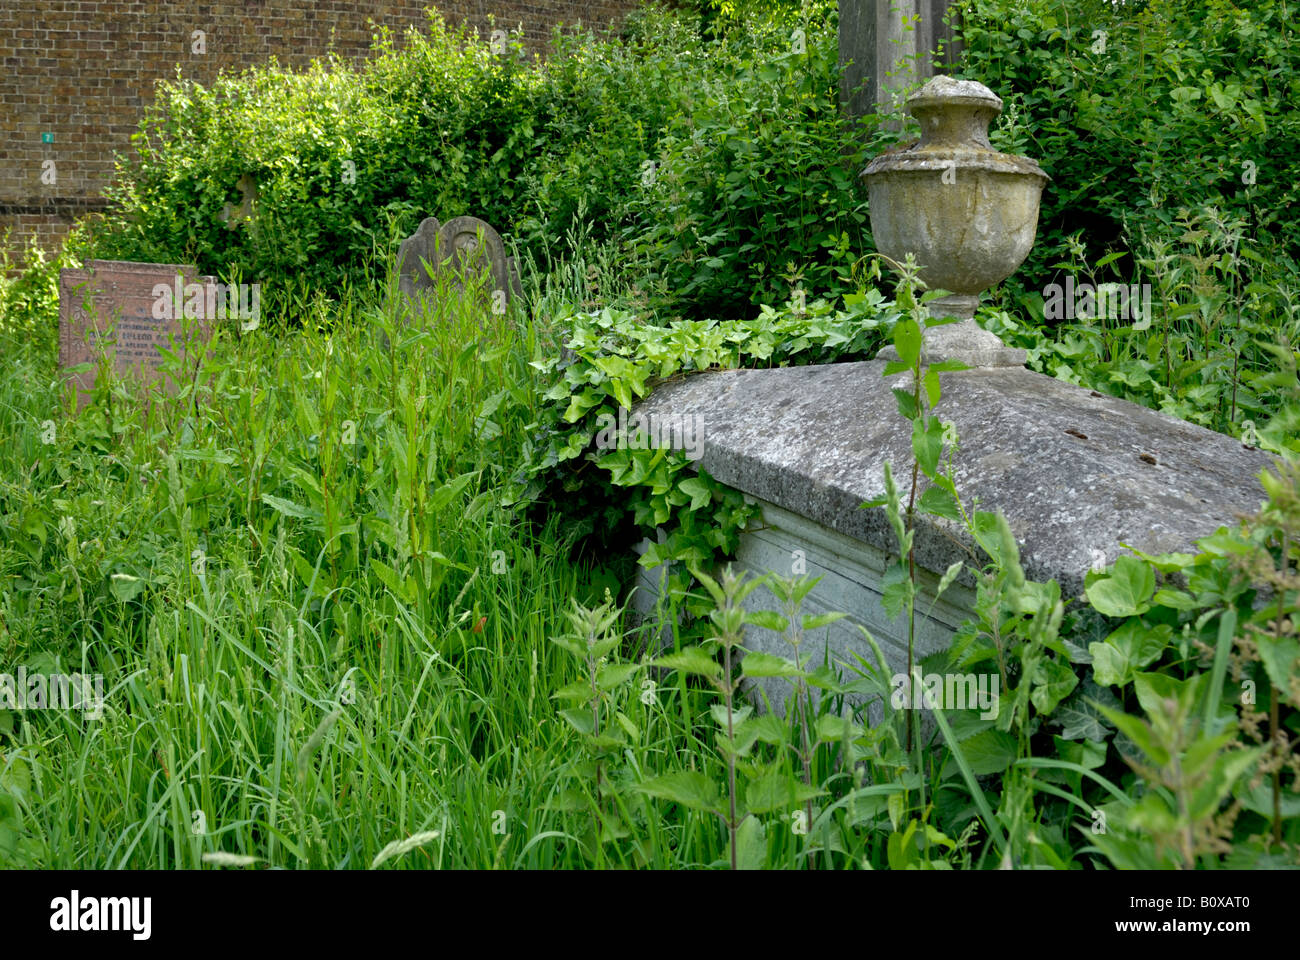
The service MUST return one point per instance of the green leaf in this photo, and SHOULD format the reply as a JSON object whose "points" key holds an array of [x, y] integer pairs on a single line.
{"points": [[686, 787], [1125, 591], [831, 729], [768, 620], [697, 490], [580, 720], [629, 727], [392, 580], [990, 751], [449, 491], [692, 660], [756, 664], [289, 508], [1279, 658], [907, 341], [615, 674], [906, 403], [777, 791], [1152, 688], [1139, 731], [817, 621], [938, 502], [579, 690], [897, 590], [751, 845], [927, 444], [769, 728], [125, 587], [738, 714], [931, 383], [1053, 682], [1130, 648]]}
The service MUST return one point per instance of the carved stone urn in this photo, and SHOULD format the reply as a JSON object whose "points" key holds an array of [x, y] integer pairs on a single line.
{"points": [[967, 212]]}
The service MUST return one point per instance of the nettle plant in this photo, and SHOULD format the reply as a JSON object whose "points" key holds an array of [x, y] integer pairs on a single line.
{"points": [[1192, 769], [1212, 344]]}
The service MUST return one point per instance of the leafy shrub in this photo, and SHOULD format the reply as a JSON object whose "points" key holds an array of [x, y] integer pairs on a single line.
{"points": [[758, 188], [338, 159], [1140, 108], [29, 298]]}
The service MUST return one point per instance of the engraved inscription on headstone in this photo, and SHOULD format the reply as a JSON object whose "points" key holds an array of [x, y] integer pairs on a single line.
{"points": [[112, 306], [459, 245]]}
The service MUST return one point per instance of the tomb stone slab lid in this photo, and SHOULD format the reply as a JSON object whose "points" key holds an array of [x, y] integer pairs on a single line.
{"points": [[1075, 473]]}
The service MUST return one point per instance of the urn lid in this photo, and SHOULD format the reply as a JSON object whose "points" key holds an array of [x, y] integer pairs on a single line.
{"points": [[946, 90], [954, 117], [955, 113]]}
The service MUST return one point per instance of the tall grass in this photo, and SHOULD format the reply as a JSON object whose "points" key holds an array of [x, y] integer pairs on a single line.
{"points": [[320, 634]]}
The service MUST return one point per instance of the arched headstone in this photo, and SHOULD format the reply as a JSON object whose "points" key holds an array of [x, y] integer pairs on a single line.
{"points": [[461, 244], [415, 251]]}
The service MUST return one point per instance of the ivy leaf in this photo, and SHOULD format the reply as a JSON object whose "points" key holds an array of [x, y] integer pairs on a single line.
{"points": [[1053, 682], [697, 490], [1130, 648], [1125, 591]]}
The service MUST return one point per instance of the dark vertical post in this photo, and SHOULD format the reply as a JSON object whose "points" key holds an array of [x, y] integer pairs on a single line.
{"points": [[877, 37], [858, 55]]}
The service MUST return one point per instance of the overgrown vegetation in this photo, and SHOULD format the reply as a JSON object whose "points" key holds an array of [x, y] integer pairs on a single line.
{"points": [[355, 589]]}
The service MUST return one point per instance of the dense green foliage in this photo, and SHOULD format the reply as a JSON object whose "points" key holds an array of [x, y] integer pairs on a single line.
{"points": [[1139, 109], [335, 161], [344, 586], [1169, 132]]}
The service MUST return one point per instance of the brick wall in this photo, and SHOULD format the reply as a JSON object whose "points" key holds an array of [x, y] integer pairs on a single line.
{"points": [[76, 73]]}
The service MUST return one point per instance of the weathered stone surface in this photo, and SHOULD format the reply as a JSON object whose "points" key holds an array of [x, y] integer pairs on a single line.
{"points": [[417, 256], [1073, 471], [890, 46], [966, 341], [122, 295], [967, 213], [1076, 474]]}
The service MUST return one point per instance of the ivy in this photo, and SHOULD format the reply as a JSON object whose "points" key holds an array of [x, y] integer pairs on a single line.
{"points": [[613, 358]]}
